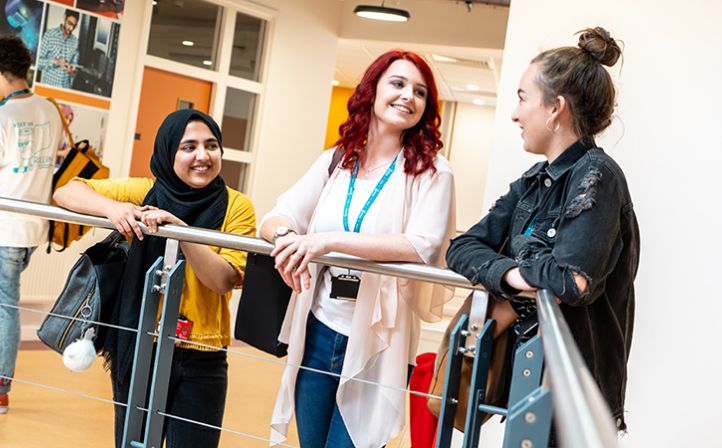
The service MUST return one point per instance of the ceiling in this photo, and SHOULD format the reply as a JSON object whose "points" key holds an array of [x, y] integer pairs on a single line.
{"points": [[462, 74], [444, 32]]}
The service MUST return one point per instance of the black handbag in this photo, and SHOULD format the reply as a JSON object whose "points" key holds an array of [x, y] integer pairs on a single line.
{"points": [[265, 297], [264, 300], [89, 293]]}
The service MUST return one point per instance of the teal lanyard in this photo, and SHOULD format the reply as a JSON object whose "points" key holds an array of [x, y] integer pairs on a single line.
{"points": [[15, 93], [530, 228], [371, 199]]}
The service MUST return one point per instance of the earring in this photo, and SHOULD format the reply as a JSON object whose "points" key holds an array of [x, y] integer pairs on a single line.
{"points": [[556, 128]]}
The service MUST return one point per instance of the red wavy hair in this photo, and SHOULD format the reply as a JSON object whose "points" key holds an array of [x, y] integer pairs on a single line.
{"points": [[421, 142]]}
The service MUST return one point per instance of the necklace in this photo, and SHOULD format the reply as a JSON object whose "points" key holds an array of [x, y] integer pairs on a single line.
{"points": [[368, 171]]}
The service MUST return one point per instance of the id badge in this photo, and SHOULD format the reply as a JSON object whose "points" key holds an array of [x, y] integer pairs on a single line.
{"points": [[344, 287], [183, 328]]}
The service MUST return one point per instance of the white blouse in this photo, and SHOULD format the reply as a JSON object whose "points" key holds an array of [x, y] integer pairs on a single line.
{"points": [[385, 325], [334, 313]]}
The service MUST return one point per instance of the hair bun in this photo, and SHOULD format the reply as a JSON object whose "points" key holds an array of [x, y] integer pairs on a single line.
{"points": [[600, 45]]}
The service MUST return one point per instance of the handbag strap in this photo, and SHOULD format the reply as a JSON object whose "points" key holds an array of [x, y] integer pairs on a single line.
{"points": [[63, 120], [337, 154]]}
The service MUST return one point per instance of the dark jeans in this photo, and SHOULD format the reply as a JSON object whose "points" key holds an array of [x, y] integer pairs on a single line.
{"points": [[318, 419], [196, 391]]}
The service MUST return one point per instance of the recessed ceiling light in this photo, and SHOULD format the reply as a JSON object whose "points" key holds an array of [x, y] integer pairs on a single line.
{"points": [[188, 43], [382, 13], [335, 82], [442, 58], [473, 87], [479, 102], [208, 62], [155, 2]]}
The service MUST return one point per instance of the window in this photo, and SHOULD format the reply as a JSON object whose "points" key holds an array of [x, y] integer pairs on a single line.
{"points": [[234, 173], [247, 47], [222, 44], [238, 119], [185, 32]]}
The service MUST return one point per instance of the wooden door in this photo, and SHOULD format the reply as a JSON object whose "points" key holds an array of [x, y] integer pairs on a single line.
{"points": [[162, 93]]}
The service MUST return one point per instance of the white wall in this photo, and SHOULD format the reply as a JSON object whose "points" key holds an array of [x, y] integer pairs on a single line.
{"points": [[666, 138], [470, 145], [292, 121]]}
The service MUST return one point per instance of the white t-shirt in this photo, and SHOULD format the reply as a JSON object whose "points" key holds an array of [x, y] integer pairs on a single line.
{"points": [[30, 134], [337, 314]]}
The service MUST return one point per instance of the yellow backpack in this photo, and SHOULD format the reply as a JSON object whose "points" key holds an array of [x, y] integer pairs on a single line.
{"points": [[82, 162]]}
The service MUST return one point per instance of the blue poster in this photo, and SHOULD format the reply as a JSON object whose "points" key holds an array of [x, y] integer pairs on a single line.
{"points": [[22, 18]]}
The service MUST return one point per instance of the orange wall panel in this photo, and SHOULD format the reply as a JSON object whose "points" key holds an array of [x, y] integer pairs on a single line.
{"points": [[337, 113], [65, 95], [159, 96]]}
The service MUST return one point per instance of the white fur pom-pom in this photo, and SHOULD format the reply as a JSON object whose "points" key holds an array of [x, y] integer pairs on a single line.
{"points": [[79, 355]]}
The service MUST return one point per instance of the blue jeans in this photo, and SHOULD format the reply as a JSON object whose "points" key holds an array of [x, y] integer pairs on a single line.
{"points": [[318, 419], [196, 391], [13, 261]]}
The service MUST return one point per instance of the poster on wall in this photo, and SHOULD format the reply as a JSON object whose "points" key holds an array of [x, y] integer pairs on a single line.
{"points": [[86, 123], [108, 8], [77, 51], [21, 18]]}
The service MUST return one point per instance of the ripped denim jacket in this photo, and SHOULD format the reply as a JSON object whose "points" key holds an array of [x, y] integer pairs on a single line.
{"points": [[574, 215]]}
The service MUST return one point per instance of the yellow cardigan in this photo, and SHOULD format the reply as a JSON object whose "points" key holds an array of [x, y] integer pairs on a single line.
{"points": [[207, 309]]}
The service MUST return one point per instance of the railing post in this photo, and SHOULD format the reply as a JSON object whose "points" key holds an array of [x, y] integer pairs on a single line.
{"points": [[529, 423], [450, 397], [171, 284], [477, 390], [141, 357], [164, 349], [526, 370], [530, 407]]}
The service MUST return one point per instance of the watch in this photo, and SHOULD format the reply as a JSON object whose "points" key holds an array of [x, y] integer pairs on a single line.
{"points": [[281, 231]]}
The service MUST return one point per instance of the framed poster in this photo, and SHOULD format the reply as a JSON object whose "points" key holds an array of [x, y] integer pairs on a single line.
{"points": [[77, 51]]}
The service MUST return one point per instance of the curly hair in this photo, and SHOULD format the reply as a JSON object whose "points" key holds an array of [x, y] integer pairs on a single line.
{"points": [[421, 142], [15, 58]]}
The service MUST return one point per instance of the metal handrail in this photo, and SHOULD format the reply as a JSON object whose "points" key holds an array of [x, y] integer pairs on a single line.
{"points": [[583, 418], [578, 403], [412, 271]]}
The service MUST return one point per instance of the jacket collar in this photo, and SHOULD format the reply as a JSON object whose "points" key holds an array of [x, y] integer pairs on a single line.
{"points": [[561, 164]]}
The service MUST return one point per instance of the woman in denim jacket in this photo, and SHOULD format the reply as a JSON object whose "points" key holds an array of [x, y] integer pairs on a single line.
{"points": [[567, 224]]}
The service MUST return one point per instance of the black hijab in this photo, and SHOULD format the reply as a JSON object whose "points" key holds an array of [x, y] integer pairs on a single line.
{"points": [[198, 207]]}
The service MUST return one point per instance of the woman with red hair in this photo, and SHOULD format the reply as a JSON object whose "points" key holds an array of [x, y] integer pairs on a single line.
{"points": [[385, 194]]}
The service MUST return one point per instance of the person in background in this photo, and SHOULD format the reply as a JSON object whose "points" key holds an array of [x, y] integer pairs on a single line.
{"points": [[568, 224], [58, 58], [390, 198], [30, 134], [188, 190]]}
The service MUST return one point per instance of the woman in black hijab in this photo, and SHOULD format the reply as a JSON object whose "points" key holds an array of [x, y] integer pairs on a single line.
{"points": [[187, 190]]}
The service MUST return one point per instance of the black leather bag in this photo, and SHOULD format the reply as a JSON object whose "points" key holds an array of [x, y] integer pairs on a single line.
{"points": [[265, 297], [89, 294], [264, 300]]}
